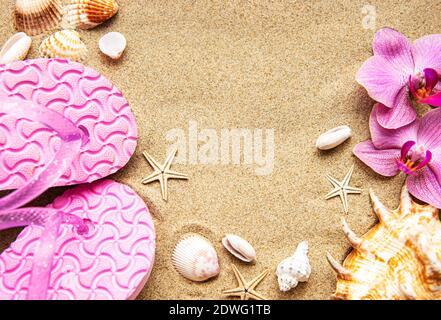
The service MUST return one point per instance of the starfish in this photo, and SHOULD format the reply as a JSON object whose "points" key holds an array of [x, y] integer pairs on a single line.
{"points": [[245, 290], [342, 189], [162, 172]]}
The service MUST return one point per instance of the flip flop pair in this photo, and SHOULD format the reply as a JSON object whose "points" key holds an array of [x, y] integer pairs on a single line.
{"points": [[62, 123]]}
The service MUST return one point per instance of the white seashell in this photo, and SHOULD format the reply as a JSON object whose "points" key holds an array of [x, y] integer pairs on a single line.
{"points": [[195, 259], [16, 48], [112, 44], [334, 137], [294, 269], [64, 44], [238, 247]]}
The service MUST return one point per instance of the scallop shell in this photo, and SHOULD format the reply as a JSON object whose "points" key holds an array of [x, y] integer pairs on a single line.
{"points": [[64, 44], [333, 138], [112, 44], [37, 16], [238, 247], [294, 269], [399, 258], [16, 48], [195, 259], [87, 14]]}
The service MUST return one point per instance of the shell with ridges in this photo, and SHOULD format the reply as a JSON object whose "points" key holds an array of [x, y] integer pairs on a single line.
{"points": [[195, 258], [64, 44], [16, 48], [399, 258], [294, 269], [87, 14], [37, 16], [239, 247]]}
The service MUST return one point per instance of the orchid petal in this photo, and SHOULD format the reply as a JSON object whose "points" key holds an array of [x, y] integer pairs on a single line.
{"points": [[425, 186], [395, 48], [427, 52], [382, 82], [431, 77], [401, 114], [383, 161], [429, 132], [433, 100], [406, 148], [390, 138], [425, 161]]}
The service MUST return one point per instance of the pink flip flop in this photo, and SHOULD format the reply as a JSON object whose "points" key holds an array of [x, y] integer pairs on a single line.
{"points": [[82, 95], [96, 241]]}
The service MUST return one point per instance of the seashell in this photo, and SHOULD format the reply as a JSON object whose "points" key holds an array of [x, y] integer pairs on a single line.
{"points": [[87, 14], [399, 258], [64, 44], [37, 16], [195, 259], [112, 44], [16, 48], [334, 137], [294, 269], [238, 247]]}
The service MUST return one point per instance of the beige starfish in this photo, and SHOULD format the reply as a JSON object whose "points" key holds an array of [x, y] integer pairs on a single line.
{"points": [[162, 172], [245, 290], [342, 189]]}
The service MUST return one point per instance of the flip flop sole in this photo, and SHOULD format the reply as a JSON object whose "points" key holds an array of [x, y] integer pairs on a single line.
{"points": [[113, 262], [81, 94]]}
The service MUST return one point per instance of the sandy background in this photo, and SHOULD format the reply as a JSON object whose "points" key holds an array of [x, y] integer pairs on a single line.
{"points": [[286, 65]]}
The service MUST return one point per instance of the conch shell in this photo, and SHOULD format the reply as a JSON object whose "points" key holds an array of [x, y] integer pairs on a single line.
{"points": [[64, 44], [87, 14], [239, 247], [399, 258], [195, 258], [16, 48], [294, 269], [37, 16]]}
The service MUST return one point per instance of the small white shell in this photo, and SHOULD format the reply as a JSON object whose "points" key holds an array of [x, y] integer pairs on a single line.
{"points": [[16, 48], [294, 269], [195, 259], [239, 247], [112, 44], [334, 137]]}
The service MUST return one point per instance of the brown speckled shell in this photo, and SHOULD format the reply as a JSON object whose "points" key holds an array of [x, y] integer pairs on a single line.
{"points": [[399, 258]]}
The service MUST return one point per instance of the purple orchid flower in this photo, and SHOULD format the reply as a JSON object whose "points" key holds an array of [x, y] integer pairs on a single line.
{"points": [[400, 72], [414, 149]]}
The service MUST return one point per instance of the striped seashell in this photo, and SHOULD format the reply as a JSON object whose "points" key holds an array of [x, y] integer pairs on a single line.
{"points": [[195, 258], [87, 14], [64, 44], [16, 48], [37, 16]]}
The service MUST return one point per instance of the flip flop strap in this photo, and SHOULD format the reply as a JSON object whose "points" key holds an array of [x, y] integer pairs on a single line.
{"points": [[50, 219]]}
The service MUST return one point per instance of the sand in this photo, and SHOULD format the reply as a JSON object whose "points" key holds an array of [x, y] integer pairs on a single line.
{"points": [[282, 65]]}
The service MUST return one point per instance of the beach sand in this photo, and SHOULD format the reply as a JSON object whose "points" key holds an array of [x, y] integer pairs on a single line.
{"points": [[283, 65]]}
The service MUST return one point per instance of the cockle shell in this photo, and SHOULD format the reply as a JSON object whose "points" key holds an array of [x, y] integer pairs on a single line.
{"points": [[294, 269], [195, 258], [64, 44], [87, 14], [16, 48], [37, 16], [399, 258], [112, 44], [238, 247], [334, 137]]}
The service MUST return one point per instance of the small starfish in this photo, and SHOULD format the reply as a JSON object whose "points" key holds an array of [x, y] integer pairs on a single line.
{"points": [[245, 290], [342, 189], [162, 172]]}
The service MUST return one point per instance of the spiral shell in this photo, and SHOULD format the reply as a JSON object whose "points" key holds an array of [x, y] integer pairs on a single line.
{"points": [[195, 259], [87, 14], [64, 44], [294, 269], [37, 16]]}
